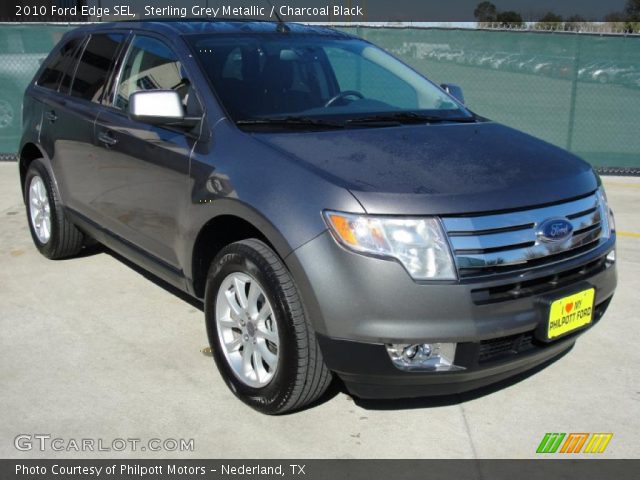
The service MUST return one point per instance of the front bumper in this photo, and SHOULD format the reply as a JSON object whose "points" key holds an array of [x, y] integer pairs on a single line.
{"points": [[367, 372], [357, 304]]}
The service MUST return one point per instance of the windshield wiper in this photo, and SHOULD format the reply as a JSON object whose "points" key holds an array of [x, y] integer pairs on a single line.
{"points": [[409, 117], [290, 121]]}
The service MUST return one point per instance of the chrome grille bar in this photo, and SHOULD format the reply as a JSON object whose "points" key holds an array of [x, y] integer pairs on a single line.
{"points": [[495, 241], [523, 218]]}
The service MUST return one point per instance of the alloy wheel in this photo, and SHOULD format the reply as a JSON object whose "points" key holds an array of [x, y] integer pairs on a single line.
{"points": [[247, 329], [39, 209]]}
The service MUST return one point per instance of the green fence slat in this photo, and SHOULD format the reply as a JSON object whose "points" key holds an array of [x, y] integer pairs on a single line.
{"points": [[22, 49], [573, 90]]}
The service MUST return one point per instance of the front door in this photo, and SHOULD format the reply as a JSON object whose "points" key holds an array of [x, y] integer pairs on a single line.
{"points": [[144, 168]]}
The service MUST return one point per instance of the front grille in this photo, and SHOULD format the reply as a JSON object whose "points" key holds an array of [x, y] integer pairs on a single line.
{"points": [[495, 243], [496, 348], [505, 348]]}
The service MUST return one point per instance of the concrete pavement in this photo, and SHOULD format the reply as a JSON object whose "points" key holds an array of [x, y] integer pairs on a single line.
{"points": [[90, 348]]}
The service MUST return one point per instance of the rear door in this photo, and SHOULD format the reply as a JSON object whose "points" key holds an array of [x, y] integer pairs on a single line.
{"points": [[143, 169], [70, 116], [59, 66]]}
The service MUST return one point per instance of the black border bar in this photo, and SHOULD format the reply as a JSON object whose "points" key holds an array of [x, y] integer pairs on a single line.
{"points": [[324, 10], [114, 469]]}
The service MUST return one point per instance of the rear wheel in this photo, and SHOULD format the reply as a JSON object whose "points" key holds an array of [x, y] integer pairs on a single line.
{"points": [[261, 339], [53, 234]]}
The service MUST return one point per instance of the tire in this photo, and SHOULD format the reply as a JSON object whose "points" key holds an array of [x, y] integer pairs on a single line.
{"points": [[299, 375], [64, 239]]}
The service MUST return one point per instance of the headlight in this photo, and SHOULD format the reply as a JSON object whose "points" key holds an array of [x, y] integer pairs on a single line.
{"points": [[606, 214], [417, 243]]}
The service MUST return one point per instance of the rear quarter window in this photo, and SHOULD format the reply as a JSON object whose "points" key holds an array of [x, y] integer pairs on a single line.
{"points": [[62, 63], [94, 66]]}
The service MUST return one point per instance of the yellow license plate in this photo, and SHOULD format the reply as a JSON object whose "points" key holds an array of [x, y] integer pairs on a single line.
{"points": [[570, 313]]}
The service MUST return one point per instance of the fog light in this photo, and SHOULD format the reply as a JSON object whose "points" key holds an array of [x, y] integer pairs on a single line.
{"points": [[611, 257], [433, 357], [410, 352]]}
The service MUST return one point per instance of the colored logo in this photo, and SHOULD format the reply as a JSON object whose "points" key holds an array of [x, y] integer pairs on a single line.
{"points": [[574, 442], [555, 230]]}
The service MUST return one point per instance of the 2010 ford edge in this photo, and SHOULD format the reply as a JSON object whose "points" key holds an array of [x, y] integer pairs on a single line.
{"points": [[338, 213]]}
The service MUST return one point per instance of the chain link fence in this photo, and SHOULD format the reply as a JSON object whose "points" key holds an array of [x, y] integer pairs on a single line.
{"points": [[22, 49], [578, 91]]}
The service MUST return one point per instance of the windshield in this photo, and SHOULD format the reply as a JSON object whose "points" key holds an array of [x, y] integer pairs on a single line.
{"points": [[315, 78]]}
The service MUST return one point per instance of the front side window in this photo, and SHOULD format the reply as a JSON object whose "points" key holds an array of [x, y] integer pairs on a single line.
{"points": [[267, 76], [151, 65], [63, 63], [94, 67]]}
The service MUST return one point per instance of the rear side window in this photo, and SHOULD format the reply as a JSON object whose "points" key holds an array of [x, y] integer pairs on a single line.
{"points": [[151, 65], [94, 67], [63, 62]]}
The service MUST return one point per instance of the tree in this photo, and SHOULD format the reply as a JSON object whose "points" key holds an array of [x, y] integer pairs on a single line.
{"points": [[615, 17], [485, 12], [576, 23], [627, 21], [508, 18], [550, 21], [632, 11]]}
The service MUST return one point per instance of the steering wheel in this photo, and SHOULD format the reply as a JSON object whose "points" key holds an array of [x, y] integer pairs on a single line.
{"points": [[341, 95]]}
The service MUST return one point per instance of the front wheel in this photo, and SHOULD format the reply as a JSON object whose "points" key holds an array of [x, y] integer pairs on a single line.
{"points": [[261, 340]]}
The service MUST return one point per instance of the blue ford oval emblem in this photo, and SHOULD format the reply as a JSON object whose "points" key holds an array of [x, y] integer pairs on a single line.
{"points": [[554, 230]]}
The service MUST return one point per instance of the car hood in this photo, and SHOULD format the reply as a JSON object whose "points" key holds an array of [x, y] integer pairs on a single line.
{"points": [[440, 169]]}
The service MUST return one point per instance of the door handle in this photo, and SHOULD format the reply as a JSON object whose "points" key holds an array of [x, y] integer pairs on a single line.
{"points": [[51, 116], [106, 138]]}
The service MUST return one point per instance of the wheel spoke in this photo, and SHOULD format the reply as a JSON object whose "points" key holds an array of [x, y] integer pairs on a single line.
{"points": [[41, 194], [247, 352], [229, 322], [263, 314], [240, 293], [46, 225], [234, 345], [236, 310], [261, 372], [263, 332], [270, 358], [252, 299]]}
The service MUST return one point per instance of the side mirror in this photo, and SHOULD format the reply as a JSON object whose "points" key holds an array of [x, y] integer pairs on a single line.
{"points": [[159, 107], [454, 90]]}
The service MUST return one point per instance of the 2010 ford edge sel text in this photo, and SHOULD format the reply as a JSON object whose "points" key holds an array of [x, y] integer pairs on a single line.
{"points": [[338, 213]]}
